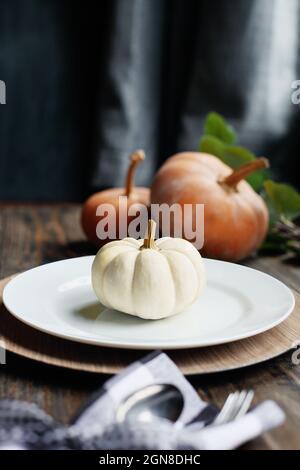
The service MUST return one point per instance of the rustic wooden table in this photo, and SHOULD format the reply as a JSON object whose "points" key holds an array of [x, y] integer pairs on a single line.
{"points": [[31, 235]]}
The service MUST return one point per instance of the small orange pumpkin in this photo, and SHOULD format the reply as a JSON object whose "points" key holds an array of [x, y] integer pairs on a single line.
{"points": [[135, 195], [235, 216]]}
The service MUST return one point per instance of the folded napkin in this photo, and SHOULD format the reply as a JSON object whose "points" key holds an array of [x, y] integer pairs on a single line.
{"points": [[25, 426]]}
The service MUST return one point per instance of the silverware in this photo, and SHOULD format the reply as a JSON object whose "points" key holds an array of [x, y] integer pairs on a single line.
{"points": [[236, 405], [166, 401], [163, 401]]}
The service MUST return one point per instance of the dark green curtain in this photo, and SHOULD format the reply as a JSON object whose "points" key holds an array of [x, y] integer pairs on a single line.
{"points": [[88, 82]]}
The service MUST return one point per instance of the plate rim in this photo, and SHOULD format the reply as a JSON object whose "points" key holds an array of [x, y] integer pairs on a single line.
{"points": [[149, 346]]}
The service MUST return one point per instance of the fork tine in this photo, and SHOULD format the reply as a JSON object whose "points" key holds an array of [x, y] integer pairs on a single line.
{"points": [[226, 409], [237, 405], [244, 407], [241, 405]]}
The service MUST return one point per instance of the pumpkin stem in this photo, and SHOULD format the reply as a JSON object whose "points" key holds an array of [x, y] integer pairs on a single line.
{"points": [[136, 157], [245, 170], [150, 235]]}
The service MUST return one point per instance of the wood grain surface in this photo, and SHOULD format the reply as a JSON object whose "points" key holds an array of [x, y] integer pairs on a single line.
{"points": [[32, 235], [33, 344]]}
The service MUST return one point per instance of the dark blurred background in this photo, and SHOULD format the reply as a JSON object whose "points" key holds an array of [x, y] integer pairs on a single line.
{"points": [[88, 82]]}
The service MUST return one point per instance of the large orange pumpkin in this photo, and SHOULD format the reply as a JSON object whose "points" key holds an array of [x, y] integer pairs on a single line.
{"points": [[135, 195], [235, 216]]}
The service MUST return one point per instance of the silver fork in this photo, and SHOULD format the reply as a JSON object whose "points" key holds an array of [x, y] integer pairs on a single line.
{"points": [[236, 405]]}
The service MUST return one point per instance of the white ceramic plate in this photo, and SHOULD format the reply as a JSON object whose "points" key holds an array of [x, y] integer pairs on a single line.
{"points": [[238, 302]]}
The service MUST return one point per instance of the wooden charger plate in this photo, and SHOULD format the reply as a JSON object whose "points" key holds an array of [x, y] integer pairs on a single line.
{"points": [[33, 344]]}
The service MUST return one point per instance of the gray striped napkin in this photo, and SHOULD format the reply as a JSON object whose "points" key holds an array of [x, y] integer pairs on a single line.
{"points": [[25, 426]]}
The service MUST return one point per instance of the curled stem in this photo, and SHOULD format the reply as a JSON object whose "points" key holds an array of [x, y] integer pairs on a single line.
{"points": [[245, 170], [136, 157]]}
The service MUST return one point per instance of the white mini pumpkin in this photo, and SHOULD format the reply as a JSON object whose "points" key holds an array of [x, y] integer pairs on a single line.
{"points": [[151, 280]]}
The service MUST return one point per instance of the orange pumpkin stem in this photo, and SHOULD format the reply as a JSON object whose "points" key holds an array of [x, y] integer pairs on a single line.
{"points": [[245, 170], [136, 157], [150, 235]]}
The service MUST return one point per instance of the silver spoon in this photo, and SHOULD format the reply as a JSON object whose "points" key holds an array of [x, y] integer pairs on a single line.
{"points": [[166, 401], [154, 401]]}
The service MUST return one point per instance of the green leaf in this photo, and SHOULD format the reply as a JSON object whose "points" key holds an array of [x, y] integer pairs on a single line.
{"points": [[216, 126], [234, 156], [284, 199], [237, 155], [212, 145], [273, 214]]}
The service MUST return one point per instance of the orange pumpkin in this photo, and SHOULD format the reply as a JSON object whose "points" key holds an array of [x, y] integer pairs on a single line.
{"points": [[135, 195], [235, 216]]}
